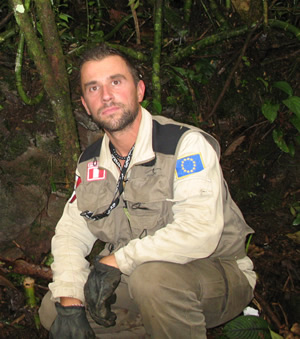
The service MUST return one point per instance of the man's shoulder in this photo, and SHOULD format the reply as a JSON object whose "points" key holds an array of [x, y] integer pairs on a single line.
{"points": [[91, 151], [166, 134]]}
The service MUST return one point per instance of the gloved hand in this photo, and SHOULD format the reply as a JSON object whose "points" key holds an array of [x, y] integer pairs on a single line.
{"points": [[71, 323], [99, 292]]}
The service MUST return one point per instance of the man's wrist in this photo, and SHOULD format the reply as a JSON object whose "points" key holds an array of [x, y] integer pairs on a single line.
{"points": [[67, 301]]}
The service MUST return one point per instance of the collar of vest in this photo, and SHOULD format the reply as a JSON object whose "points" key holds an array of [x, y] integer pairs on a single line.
{"points": [[165, 139]]}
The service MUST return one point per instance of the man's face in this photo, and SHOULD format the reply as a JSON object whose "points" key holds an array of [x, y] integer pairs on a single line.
{"points": [[110, 95]]}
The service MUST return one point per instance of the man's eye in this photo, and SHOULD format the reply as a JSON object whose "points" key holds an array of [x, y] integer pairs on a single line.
{"points": [[116, 82], [93, 89]]}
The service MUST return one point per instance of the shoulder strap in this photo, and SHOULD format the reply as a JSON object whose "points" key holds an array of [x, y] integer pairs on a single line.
{"points": [[91, 151], [166, 136]]}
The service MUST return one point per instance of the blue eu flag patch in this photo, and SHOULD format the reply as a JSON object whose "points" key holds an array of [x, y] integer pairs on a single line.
{"points": [[189, 165]]}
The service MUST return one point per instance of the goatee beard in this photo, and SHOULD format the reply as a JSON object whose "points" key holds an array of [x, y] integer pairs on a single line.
{"points": [[116, 125]]}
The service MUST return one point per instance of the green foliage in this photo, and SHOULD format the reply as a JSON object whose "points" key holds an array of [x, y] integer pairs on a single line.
{"points": [[284, 114], [62, 19], [145, 103], [16, 278], [48, 260], [134, 3], [285, 10], [157, 107], [246, 61], [185, 83], [295, 211], [248, 242], [247, 327]]}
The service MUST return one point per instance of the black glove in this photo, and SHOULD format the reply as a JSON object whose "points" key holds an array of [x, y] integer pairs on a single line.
{"points": [[99, 292], [71, 323]]}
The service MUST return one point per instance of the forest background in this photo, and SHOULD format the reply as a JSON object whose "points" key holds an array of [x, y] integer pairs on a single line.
{"points": [[228, 67]]}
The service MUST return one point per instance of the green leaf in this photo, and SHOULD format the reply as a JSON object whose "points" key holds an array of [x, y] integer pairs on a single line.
{"points": [[296, 222], [297, 139], [293, 103], [294, 236], [266, 84], [157, 106], [296, 122], [145, 103], [279, 140], [63, 24], [49, 260], [65, 17], [284, 86], [275, 335], [181, 84], [171, 100], [180, 70], [132, 2], [270, 111], [292, 150], [247, 327], [246, 61]]}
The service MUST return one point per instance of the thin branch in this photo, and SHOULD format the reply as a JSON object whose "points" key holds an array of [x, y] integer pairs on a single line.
{"points": [[228, 81], [208, 41], [267, 309], [4, 20], [285, 26], [18, 76], [156, 56], [136, 23], [23, 267]]}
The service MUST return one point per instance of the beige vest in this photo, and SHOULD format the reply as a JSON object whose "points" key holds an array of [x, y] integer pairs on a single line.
{"points": [[144, 206]]}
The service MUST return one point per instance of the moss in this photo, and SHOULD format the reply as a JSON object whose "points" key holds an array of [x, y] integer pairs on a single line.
{"points": [[13, 146], [47, 143]]}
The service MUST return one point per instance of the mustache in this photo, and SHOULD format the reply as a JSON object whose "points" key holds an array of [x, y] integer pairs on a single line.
{"points": [[100, 110]]}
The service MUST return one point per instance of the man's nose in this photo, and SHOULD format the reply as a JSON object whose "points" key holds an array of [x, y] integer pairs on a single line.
{"points": [[106, 93]]}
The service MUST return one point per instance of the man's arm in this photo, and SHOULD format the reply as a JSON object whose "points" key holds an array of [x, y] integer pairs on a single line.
{"points": [[71, 243]]}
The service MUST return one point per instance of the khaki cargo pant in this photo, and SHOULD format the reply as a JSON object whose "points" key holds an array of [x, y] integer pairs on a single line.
{"points": [[172, 300]]}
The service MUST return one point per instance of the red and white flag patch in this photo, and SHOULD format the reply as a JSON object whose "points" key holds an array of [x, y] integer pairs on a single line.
{"points": [[94, 173]]}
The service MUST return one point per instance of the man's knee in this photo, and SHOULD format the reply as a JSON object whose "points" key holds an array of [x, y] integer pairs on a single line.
{"points": [[167, 300], [47, 311], [160, 281], [144, 281]]}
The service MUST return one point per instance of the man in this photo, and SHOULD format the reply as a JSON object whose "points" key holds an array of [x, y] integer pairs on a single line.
{"points": [[153, 191]]}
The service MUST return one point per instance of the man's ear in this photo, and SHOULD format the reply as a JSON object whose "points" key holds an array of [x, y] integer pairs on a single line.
{"points": [[85, 105], [141, 90]]}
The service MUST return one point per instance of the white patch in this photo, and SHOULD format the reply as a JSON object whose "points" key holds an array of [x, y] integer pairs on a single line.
{"points": [[20, 9]]}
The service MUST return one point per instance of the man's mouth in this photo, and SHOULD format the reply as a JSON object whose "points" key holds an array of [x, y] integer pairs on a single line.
{"points": [[109, 109]]}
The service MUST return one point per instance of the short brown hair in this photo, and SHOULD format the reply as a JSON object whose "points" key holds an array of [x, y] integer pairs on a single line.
{"points": [[102, 51]]}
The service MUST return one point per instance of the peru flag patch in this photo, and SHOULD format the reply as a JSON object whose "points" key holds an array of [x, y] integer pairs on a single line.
{"points": [[94, 173]]}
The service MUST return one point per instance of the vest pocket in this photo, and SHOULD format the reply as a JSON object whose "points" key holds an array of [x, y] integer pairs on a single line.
{"points": [[146, 199], [93, 197], [144, 218]]}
